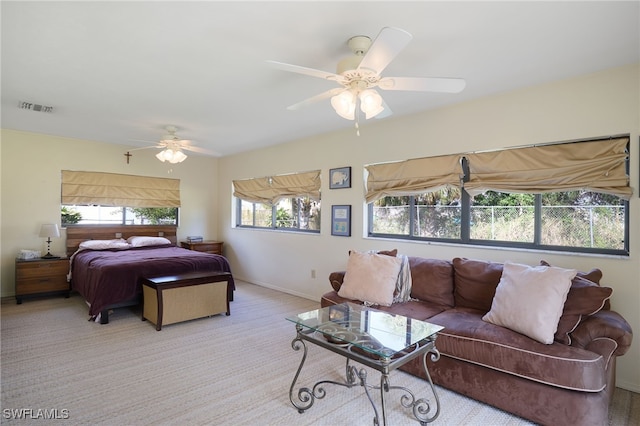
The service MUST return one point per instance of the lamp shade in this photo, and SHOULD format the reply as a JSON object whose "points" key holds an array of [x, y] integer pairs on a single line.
{"points": [[370, 103], [344, 104], [49, 230], [178, 157]]}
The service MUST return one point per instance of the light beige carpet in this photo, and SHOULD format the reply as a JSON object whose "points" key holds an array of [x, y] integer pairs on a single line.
{"points": [[233, 370]]}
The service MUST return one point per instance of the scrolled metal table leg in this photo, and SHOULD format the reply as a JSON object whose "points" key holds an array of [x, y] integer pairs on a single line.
{"points": [[422, 407], [362, 374], [351, 375], [305, 396], [384, 388]]}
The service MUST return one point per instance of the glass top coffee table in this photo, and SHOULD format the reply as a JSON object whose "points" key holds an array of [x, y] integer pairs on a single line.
{"points": [[373, 338]]}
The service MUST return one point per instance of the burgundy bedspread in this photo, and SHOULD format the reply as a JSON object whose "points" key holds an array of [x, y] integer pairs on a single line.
{"points": [[108, 277]]}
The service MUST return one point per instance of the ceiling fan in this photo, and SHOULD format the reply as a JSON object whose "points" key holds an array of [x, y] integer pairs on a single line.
{"points": [[172, 147], [359, 75]]}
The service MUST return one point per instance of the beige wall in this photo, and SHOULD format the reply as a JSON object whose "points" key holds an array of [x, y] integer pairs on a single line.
{"points": [[31, 165], [595, 105]]}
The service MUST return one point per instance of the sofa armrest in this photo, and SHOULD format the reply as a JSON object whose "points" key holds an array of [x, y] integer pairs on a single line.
{"points": [[605, 332], [335, 278]]}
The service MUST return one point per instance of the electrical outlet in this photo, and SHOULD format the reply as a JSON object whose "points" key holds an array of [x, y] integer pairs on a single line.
{"points": [[313, 274]]}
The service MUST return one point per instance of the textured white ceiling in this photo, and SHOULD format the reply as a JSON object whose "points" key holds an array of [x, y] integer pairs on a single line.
{"points": [[118, 72]]}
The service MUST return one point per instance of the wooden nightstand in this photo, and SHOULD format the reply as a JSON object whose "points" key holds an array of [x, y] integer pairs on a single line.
{"points": [[40, 277], [213, 247]]}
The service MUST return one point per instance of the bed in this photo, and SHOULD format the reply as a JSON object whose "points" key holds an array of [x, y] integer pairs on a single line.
{"points": [[108, 276]]}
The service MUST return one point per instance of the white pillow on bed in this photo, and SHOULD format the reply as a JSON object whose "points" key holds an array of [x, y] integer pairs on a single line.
{"points": [[142, 241], [118, 243]]}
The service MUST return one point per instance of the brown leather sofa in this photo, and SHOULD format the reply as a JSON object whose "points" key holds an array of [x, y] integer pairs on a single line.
{"points": [[568, 382]]}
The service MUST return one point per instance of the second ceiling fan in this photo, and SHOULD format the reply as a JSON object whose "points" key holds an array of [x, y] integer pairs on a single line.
{"points": [[172, 147], [360, 74]]}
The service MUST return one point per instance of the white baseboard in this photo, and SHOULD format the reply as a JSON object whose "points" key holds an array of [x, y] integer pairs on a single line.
{"points": [[628, 386], [275, 287]]}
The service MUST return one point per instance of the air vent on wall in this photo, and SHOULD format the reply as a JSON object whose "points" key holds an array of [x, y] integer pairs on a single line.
{"points": [[34, 107]]}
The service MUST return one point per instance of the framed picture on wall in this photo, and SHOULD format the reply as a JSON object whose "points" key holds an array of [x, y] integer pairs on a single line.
{"points": [[340, 178], [341, 220]]}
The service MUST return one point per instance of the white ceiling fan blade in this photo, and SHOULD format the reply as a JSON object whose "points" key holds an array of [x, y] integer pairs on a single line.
{"points": [[316, 98], [306, 71], [389, 42], [426, 84], [197, 149], [147, 147]]}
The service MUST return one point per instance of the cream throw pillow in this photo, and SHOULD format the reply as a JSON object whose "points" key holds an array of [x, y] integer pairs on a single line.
{"points": [[370, 278], [530, 300], [105, 244], [143, 241]]}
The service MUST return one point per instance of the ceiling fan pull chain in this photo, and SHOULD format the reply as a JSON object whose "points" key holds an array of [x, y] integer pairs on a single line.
{"points": [[357, 113]]}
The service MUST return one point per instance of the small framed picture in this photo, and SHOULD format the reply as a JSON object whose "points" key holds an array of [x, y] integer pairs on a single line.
{"points": [[341, 220], [340, 178]]}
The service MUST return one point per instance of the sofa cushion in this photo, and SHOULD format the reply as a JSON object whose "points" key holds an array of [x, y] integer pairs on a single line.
{"points": [[475, 283], [530, 299], [594, 275], [585, 298], [467, 337], [432, 280], [371, 278]]}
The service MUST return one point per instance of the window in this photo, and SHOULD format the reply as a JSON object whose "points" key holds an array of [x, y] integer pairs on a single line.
{"points": [[578, 221], [107, 215], [297, 214], [527, 213], [290, 202]]}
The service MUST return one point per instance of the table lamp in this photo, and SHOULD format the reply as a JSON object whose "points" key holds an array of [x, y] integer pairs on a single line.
{"points": [[47, 231]]}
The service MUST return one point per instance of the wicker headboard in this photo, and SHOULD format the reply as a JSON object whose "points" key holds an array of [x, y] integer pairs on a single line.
{"points": [[79, 233]]}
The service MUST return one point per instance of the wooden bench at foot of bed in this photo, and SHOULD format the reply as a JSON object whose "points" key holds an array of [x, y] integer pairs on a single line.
{"points": [[183, 297]]}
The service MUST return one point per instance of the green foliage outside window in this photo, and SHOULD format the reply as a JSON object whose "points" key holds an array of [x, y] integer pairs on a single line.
{"points": [[69, 216], [110, 215], [156, 215], [580, 220], [296, 214]]}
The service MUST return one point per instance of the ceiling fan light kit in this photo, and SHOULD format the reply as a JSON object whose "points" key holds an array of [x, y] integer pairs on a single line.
{"points": [[172, 147], [345, 103], [171, 155], [359, 75]]}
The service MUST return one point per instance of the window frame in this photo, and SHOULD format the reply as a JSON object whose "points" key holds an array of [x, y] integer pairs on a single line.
{"points": [[465, 231], [274, 221], [126, 212]]}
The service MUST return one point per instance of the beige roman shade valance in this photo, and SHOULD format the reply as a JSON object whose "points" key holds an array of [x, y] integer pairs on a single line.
{"points": [[270, 190], [598, 166], [112, 189], [413, 176]]}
